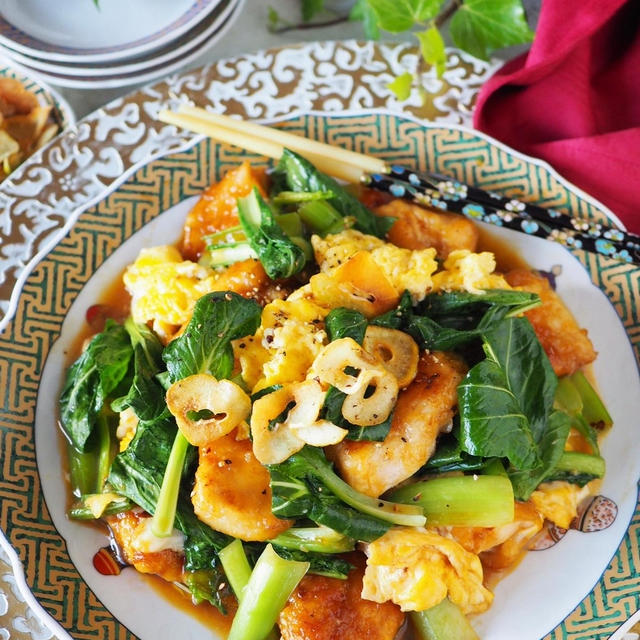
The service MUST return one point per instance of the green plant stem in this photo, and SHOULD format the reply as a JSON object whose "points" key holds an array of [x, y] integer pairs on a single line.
{"points": [[446, 13], [294, 26], [314, 539], [272, 581], [445, 621], [165, 512], [236, 567], [467, 501]]}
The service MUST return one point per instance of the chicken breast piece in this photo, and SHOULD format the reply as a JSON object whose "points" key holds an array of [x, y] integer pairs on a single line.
{"points": [[418, 228], [565, 343], [323, 608], [423, 409], [231, 492], [128, 531]]}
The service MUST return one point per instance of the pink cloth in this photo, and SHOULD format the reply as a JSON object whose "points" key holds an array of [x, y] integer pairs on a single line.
{"points": [[574, 99]]}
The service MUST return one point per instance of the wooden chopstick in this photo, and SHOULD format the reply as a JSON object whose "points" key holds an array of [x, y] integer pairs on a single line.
{"points": [[403, 182], [340, 163]]}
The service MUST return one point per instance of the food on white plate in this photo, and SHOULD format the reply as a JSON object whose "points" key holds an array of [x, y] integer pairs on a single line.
{"points": [[326, 417], [25, 124]]}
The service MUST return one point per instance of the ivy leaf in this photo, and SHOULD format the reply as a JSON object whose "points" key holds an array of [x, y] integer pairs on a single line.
{"points": [[397, 16], [401, 86], [432, 48], [482, 26], [310, 8], [362, 11]]}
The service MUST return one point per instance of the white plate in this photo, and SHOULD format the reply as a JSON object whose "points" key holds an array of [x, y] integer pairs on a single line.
{"points": [[75, 30], [97, 81], [173, 51], [150, 617]]}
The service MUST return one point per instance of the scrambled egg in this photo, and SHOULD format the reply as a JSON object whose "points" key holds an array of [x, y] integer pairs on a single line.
{"points": [[284, 347], [467, 271], [164, 288], [405, 269], [412, 270], [417, 569], [558, 501]]}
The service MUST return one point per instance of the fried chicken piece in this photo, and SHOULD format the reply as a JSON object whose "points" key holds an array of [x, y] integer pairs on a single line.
{"points": [[323, 608], [418, 228], [15, 99], [423, 410], [128, 529], [232, 493], [565, 343]]}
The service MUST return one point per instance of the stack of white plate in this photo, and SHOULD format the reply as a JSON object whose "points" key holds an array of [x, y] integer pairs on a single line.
{"points": [[97, 44]]}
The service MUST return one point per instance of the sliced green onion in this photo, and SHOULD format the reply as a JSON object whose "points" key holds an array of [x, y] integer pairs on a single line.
{"points": [[315, 539], [271, 583], [467, 501], [445, 621]]}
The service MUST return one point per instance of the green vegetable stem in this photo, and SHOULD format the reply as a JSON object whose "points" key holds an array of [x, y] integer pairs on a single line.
{"points": [[445, 621], [205, 347], [466, 501], [272, 581]]}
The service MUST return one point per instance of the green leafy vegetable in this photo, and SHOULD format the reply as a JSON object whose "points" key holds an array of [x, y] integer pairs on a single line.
{"points": [[206, 585], [314, 539], [205, 346], [295, 173], [401, 85], [482, 26], [397, 16], [91, 380], [280, 257], [345, 323], [465, 501], [362, 10], [306, 485], [145, 395], [442, 622], [505, 406]]}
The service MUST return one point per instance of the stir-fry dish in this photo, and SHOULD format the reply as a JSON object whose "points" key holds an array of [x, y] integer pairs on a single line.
{"points": [[25, 124], [331, 416]]}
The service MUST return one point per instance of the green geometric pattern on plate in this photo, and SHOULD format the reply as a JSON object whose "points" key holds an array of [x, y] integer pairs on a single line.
{"points": [[55, 282]]}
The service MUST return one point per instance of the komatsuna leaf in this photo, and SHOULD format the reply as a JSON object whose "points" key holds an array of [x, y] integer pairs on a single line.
{"points": [[550, 446], [297, 492], [505, 400], [345, 323], [92, 378], [146, 395], [295, 173], [397, 16], [279, 255], [482, 26], [205, 346]]}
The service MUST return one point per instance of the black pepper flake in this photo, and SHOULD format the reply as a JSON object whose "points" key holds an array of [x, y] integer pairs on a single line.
{"points": [[227, 461]]}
